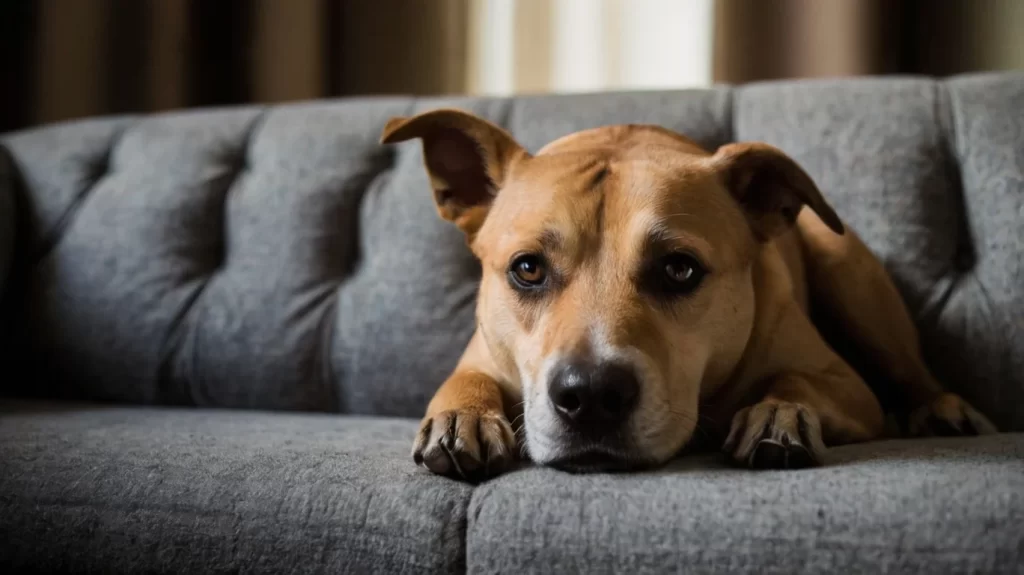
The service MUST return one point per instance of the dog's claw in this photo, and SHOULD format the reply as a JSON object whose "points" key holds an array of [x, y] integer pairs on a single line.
{"points": [[771, 454], [775, 435], [422, 436], [949, 415], [767, 454], [470, 444]]}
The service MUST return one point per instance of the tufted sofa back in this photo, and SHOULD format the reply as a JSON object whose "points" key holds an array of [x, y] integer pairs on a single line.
{"points": [[279, 258]]}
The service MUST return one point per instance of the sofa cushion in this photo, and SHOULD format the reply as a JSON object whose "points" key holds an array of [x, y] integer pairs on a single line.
{"points": [[281, 258], [125, 490], [956, 505], [120, 490]]}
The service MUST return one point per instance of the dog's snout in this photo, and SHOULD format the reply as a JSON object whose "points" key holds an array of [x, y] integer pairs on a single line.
{"points": [[585, 394]]}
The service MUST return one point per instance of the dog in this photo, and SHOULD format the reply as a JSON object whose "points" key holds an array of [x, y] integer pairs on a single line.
{"points": [[640, 292]]}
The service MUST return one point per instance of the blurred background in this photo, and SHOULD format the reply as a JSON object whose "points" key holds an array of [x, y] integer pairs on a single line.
{"points": [[63, 59]]}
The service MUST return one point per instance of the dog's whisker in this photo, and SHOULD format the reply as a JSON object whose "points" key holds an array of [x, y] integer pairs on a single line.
{"points": [[524, 451]]}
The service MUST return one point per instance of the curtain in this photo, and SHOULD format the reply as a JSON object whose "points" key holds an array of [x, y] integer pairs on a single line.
{"points": [[64, 59], [773, 39]]}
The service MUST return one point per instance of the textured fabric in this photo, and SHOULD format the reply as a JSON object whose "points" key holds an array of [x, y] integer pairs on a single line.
{"points": [[281, 258], [128, 490], [928, 506], [978, 336], [241, 258], [121, 490]]}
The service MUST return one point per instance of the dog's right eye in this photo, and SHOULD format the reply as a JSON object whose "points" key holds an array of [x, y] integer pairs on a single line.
{"points": [[676, 274], [528, 271]]}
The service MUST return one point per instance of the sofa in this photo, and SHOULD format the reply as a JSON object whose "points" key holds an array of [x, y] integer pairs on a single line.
{"points": [[221, 325]]}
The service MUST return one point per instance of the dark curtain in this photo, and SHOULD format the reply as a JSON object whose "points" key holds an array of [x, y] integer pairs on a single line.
{"points": [[774, 39], [64, 59]]}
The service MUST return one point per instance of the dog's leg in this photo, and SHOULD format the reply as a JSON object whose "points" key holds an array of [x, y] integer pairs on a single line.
{"points": [[800, 415], [855, 287], [466, 432]]}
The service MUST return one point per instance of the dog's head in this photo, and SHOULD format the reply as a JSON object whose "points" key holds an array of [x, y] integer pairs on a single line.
{"points": [[617, 279]]}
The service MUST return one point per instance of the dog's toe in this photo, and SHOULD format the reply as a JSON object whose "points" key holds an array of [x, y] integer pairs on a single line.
{"points": [[465, 443], [771, 454], [949, 415], [775, 435]]}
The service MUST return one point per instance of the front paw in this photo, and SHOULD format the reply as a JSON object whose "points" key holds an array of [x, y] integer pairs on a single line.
{"points": [[775, 435], [468, 443], [946, 416]]}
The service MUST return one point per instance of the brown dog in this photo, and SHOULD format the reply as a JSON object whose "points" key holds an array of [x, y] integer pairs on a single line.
{"points": [[633, 283]]}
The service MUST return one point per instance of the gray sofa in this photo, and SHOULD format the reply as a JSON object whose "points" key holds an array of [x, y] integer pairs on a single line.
{"points": [[220, 325]]}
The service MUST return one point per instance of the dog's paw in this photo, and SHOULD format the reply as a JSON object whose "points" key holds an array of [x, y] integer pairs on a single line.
{"points": [[946, 416], [775, 435], [468, 444]]}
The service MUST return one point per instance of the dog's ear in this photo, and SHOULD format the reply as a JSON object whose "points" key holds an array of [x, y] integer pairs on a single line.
{"points": [[771, 187], [467, 158]]}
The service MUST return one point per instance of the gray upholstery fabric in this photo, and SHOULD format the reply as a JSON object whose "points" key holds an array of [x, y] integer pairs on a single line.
{"points": [[982, 320], [929, 506], [126, 490], [205, 258], [122, 490], [280, 258]]}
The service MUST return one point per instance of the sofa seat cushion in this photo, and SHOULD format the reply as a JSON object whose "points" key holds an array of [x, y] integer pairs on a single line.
{"points": [[923, 506], [132, 490], [127, 490]]}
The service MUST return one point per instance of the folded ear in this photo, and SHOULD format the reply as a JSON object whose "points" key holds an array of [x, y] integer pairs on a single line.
{"points": [[467, 158], [771, 187]]}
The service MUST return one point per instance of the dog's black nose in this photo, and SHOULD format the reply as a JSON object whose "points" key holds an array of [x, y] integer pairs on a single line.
{"points": [[589, 395]]}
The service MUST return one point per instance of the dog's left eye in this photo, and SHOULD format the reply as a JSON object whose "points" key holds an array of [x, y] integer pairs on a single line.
{"points": [[677, 273]]}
